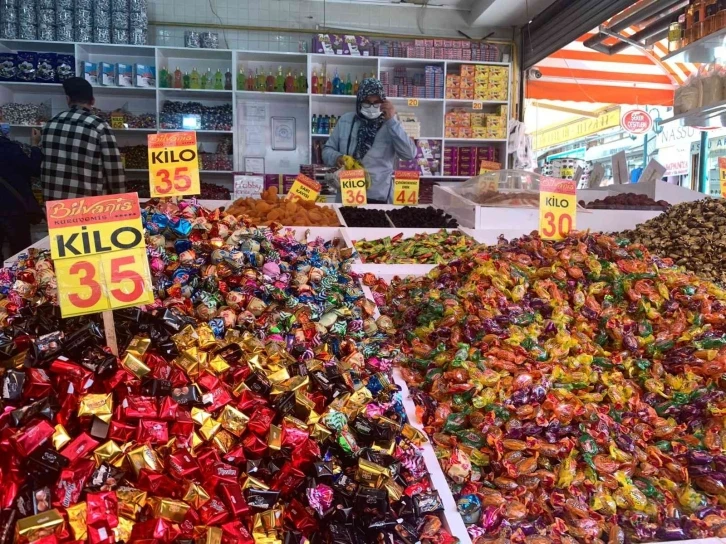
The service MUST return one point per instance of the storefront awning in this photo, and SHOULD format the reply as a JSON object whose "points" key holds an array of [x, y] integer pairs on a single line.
{"points": [[635, 76]]}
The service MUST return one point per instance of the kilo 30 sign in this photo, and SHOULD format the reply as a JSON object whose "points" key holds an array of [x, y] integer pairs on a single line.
{"points": [[99, 253], [557, 208]]}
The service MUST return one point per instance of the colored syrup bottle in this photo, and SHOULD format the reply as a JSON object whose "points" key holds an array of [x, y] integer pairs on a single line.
{"points": [[336, 83], [178, 78], [328, 85], [315, 82], [228, 80], [314, 124], [164, 78], [251, 81], [356, 85], [279, 81], [241, 80], [270, 82], [219, 80], [210, 79], [194, 82], [186, 80], [302, 83], [261, 81], [289, 82], [348, 86]]}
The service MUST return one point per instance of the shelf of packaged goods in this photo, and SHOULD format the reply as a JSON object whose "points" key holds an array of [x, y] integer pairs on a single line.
{"points": [[707, 49], [103, 90], [257, 95], [713, 115], [32, 87], [197, 131], [404, 100], [333, 97], [473, 141], [470, 102], [198, 94]]}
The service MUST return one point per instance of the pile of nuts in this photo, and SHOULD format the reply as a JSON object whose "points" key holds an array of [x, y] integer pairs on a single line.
{"points": [[626, 201], [693, 234]]}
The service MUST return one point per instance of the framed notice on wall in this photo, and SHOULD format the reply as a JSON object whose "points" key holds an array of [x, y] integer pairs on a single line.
{"points": [[283, 133]]}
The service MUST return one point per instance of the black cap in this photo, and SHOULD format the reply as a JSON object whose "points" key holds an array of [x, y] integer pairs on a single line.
{"points": [[78, 90]]}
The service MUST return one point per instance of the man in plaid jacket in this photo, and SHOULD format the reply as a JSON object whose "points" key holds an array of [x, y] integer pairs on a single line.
{"points": [[81, 155]]}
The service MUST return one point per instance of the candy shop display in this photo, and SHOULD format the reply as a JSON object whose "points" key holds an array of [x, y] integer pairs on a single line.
{"points": [[437, 248], [271, 209], [429, 217], [426, 82], [460, 123], [466, 161], [252, 402], [364, 217], [478, 82], [39, 67], [210, 191], [693, 234], [210, 117], [626, 201], [25, 114], [277, 80], [573, 390]]}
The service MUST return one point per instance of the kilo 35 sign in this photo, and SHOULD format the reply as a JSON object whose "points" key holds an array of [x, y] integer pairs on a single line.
{"points": [[97, 244], [173, 164], [557, 208]]}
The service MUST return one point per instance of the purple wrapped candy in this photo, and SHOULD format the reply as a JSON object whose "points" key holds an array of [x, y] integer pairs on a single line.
{"points": [[321, 498]]}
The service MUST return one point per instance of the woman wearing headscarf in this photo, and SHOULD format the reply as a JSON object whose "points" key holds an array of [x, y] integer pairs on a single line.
{"points": [[373, 136]]}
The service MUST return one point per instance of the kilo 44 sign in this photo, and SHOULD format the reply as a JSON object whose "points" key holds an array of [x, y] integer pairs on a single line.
{"points": [[636, 121]]}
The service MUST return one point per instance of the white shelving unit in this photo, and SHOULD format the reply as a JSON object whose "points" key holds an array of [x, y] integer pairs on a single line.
{"points": [[252, 111]]}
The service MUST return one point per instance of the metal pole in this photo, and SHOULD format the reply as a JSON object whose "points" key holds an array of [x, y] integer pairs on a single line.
{"points": [[703, 164], [645, 150]]}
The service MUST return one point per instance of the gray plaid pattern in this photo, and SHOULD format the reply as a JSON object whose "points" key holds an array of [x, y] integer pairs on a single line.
{"points": [[81, 157]]}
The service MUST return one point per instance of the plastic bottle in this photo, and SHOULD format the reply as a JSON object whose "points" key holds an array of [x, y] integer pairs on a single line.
{"points": [[279, 81], [270, 82], [241, 81], [315, 82], [321, 83], [356, 85], [333, 122], [314, 124], [261, 81], [194, 82], [228, 80], [251, 81], [348, 87], [319, 129], [186, 80], [328, 85], [289, 82], [219, 80], [164, 78], [178, 81], [302, 86], [336, 83], [210, 79], [326, 124]]}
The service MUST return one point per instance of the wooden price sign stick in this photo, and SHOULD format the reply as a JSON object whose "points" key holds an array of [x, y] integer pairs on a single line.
{"points": [[98, 249], [557, 208]]}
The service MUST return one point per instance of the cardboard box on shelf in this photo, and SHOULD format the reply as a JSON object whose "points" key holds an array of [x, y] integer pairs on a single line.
{"points": [[90, 72]]}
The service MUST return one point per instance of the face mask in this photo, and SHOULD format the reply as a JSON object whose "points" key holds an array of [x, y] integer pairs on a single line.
{"points": [[370, 111], [4, 129]]}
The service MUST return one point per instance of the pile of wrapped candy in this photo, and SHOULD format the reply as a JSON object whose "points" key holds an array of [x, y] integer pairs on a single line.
{"points": [[434, 248], [574, 390], [252, 402]]}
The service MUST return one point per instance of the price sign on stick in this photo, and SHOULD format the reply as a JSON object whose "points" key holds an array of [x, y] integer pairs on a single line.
{"points": [[99, 253], [405, 188], [173, 164], [304, 188], [722, 175], [557, 208], [353, 188]]}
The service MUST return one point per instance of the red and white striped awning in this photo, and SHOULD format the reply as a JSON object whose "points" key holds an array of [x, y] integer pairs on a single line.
{"points": [[634, 76]]}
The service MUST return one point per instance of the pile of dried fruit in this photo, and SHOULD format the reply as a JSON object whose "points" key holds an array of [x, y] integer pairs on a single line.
{"points": [[693, 234], [574, 390], [269, 208], [364, 217], [428, 217], [436, 248], [626, 201]]}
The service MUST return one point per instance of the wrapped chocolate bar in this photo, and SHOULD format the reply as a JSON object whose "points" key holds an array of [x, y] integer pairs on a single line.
{"points": [[252, 401]]}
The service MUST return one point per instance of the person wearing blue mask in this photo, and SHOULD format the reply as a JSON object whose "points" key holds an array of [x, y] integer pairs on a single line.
{"points": [[18, 207], [373, 136]]}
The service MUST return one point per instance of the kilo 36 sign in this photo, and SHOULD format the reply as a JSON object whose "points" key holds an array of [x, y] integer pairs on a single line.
{"points": [[99, 253]]}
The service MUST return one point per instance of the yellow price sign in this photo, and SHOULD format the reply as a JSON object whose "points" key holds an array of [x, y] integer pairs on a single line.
{"points": [[477, 105], [722, 175], [413, 102], [557, 208], [405, 188], [353, 188], [304, 188], [97, 244], [173, 164], [117, 121]]}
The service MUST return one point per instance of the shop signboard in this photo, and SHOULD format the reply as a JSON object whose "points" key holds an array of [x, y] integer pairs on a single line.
{"points": [[99, 253], [636, 121], [173, 164], [353, 188], [578, 129], [557, 208]]}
